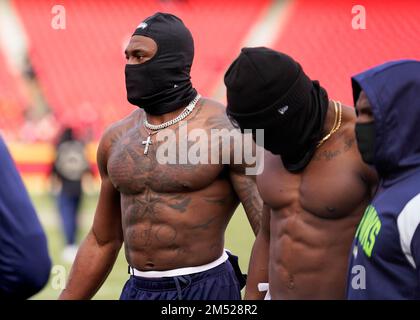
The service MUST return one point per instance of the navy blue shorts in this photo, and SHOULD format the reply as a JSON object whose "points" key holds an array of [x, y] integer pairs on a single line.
{"points": [[219, 283]]}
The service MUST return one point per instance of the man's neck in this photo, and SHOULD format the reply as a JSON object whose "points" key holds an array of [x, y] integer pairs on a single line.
{"points": [[159, 119], [329, 118], [347, 115]]}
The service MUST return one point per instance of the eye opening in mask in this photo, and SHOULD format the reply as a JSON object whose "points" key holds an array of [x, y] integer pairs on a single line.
{"points": [[145, 53]]}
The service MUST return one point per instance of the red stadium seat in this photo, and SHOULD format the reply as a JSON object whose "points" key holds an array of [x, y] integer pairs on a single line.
{"points": [[81, 68], [12, 100], [320, 36]]}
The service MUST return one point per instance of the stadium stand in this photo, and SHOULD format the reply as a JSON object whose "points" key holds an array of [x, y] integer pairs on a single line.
{"points": [[319, 34], [81, 68], [12, 101]]}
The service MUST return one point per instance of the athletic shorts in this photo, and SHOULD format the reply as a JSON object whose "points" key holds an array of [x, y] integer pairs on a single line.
{"points": [[223, 282]]}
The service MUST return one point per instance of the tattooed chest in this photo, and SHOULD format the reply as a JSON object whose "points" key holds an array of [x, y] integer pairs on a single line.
{"points": [[131, 172], [152, 206]]}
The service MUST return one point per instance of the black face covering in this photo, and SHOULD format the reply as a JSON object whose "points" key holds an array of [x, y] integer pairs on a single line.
{"points": [[296, 140], [269, 90], [162, 84], [365, 135]]}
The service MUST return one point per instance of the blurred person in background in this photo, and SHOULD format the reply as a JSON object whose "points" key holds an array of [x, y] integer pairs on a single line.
{"points": [[69, 168], [40, 123], [24, 260]]}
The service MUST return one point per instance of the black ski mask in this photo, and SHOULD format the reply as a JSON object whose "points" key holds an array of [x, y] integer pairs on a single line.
{"points": [[268, 90], [163, 83]]}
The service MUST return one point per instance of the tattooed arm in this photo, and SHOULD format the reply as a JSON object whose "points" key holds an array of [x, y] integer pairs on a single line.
{"points": [[245, 185], [99, 250], [246, 189]]}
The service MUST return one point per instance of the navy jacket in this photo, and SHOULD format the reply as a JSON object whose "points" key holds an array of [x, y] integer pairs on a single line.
{"points": [[385, 257], [24, 261]]}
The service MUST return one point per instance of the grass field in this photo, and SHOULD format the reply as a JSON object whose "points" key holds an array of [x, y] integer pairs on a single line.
{"points": [[239, 239]]}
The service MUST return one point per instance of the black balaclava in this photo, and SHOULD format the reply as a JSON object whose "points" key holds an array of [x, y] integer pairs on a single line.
{"points": [[268, 90], [163, 83]]}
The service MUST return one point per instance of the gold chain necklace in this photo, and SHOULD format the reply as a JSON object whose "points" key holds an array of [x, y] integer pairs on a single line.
{"points": [[337, 122]]}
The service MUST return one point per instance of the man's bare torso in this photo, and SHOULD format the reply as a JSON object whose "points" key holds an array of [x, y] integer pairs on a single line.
{"points": [[314, 215], [173, 215]]}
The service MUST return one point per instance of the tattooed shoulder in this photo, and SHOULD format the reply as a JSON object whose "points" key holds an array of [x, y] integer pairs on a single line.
{"points": [[117, 130], [216, 118], [330, 154], [111, 136], [219, 121]]}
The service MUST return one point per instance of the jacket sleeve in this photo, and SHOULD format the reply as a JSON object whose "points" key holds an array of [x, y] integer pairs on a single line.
{"points": [[24, 260], [415, 249]]}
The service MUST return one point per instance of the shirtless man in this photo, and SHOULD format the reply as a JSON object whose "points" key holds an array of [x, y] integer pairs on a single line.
{"points": [[170, 217], [315, 186]]}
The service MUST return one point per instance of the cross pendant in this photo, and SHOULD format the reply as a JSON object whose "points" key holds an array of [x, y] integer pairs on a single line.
{"points": [[147, 143]]}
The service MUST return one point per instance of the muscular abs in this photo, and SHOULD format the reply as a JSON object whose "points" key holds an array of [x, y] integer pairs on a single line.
{"points": [[173, 215], [313, 219]]}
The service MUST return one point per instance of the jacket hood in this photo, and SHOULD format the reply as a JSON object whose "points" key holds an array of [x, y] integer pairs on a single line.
{"points": [[393, 90]]}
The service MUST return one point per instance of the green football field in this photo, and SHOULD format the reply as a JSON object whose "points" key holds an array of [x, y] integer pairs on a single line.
{"points": [[239, 239]]}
